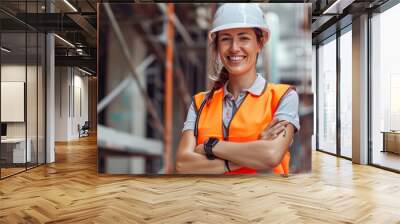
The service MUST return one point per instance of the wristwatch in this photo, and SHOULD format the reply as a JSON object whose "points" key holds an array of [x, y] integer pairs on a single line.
{"points": [[208, 147]]}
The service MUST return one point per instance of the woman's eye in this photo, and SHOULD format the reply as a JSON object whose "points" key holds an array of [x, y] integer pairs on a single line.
{"points": [[224, 39], [244, 38]]}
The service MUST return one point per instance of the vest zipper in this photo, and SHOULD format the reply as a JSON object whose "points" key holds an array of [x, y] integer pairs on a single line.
{"points": [[229, 124], [233, 116]]}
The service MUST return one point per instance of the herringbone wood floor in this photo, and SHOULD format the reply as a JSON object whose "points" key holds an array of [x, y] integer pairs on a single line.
{"points": [[70, 191]]}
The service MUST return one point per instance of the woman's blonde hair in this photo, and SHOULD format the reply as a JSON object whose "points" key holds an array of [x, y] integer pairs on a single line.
{"points": [[219, 74]]}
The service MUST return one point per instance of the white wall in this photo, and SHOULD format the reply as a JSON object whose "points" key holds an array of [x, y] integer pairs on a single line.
{"points": [[70, 84], [33, 126], [61, 103], [12, 101], [13, 73], [80, 94], [16, 72]]}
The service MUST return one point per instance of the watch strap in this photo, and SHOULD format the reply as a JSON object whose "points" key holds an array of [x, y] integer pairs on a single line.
{"points": [[208, 148]]}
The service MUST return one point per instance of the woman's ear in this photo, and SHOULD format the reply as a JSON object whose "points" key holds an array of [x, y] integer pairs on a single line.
{"points": [[264, 39], [261, 44]]}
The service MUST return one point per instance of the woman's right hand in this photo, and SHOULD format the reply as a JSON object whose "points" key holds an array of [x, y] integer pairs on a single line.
{"points": [[190, 158], [274, 128]]}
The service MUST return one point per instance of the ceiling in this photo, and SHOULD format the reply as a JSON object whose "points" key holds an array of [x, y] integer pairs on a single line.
{"points": [[72, 20], [76, 21]]}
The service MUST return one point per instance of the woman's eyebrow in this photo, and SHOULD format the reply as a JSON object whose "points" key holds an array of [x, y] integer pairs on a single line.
{"points": [[225, 34], [239, 34]]}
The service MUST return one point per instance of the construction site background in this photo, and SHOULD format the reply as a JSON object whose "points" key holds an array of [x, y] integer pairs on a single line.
{"points": [[152, 58]]}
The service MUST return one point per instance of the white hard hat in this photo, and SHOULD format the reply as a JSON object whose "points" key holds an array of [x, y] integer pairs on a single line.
{"points": [[238, 15]]}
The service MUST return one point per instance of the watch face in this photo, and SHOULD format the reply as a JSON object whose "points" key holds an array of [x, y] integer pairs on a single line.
{"points": [[208, 146], [212, 141]]}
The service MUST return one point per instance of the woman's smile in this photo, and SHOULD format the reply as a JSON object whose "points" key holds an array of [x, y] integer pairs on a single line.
{"points": [[236, 59]]}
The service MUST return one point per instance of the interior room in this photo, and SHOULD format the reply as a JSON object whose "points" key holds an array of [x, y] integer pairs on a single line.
{"points": [[31, 98], [81, 142], [22, 101]]}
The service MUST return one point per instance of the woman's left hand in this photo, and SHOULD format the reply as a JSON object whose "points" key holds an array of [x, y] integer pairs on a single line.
{"points": [[200, 149], [274, 129]]}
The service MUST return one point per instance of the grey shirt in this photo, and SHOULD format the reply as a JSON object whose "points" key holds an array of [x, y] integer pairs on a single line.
{"points": [[288, 107]]}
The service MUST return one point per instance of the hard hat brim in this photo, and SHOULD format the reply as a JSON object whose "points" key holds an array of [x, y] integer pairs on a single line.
{"points": [[211, 33]]}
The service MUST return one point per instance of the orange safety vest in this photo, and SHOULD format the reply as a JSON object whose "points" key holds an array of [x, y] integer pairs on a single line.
{"points": [[250, 119]]}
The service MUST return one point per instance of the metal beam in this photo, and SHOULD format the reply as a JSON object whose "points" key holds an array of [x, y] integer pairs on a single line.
{"points": [[122, 85], [156, 47], [337, 6], [168, 96], [330, 30], [202, 1], [84, 24], [85, 61], [124, 142], [183, 32], [16, 19], [178, 25], [320, 22], [43, 22]]}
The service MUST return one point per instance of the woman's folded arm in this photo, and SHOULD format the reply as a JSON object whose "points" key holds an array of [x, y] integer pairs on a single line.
{"points": [[190, 162], [259, 154]]}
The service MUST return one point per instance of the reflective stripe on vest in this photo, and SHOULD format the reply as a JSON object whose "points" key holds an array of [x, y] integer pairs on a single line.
{"points": [[251, 118]]}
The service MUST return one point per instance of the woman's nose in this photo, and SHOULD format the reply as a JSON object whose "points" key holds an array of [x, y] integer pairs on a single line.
{"points": [[235, 46]]}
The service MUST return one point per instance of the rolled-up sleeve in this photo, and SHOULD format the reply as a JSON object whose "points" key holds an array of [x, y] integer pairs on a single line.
{"points": [[288, 109], [190, 119]]}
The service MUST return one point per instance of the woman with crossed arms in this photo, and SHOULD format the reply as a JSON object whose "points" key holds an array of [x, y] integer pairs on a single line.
{"points": [[243, 125]]}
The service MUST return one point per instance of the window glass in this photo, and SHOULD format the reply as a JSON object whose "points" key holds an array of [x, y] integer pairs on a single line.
{"points": [[327, 97]]}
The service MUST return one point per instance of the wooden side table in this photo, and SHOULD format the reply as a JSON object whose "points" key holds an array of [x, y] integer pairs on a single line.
{"points": [[391, 141]]}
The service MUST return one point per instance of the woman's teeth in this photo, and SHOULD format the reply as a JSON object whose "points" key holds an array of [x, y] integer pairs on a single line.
{"points": [[235, 58]]}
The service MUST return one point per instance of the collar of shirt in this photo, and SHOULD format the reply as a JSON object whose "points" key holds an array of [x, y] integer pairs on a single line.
{"points": [[256, 88]]}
